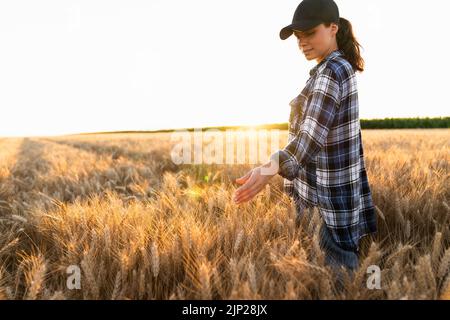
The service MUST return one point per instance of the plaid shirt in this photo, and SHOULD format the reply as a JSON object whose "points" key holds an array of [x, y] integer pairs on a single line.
{"points": [[323, 162]]}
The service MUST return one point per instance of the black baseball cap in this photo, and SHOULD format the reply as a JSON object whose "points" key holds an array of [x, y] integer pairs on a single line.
{"points": [[311, 13]]}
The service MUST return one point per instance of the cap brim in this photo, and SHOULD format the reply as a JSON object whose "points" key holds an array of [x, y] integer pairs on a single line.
{"points": [[304, 25]]}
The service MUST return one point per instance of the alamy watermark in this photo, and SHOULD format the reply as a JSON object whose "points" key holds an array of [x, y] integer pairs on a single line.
{"points": [[74, 277], [374, 279]]}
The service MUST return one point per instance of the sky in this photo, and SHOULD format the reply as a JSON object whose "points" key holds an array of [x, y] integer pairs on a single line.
{"points": [[103, 65]]}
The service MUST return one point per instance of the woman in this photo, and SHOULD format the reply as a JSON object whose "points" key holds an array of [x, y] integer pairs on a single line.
{"points": [[323, 162]]}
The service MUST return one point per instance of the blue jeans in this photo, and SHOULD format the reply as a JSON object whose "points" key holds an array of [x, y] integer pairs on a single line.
{"points": [[335, 255]]}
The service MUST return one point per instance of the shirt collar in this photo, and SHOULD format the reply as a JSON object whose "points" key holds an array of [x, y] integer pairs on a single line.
{"points": [[330, 56]]}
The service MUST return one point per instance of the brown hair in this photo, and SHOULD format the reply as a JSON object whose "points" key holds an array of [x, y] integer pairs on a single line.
{"points": [[347, 42]]}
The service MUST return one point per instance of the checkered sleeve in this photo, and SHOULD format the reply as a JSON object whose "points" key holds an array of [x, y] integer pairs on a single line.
{"points": [[317, 120]]}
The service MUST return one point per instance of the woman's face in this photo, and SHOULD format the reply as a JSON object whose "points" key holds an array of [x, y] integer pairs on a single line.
{"points": [[317, 42]]}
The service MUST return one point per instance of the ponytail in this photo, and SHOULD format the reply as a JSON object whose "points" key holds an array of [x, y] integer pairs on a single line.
{"points": [[347, 42]]}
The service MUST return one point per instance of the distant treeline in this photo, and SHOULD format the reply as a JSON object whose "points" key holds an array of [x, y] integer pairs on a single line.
{"points": [[386, 123], [403, 123]]}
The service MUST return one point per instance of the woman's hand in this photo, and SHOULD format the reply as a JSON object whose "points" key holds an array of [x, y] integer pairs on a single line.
{"points": [[254, 181]]}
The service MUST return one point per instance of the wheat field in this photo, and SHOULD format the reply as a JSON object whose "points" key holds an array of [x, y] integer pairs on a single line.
{"points": [[139, 226]]}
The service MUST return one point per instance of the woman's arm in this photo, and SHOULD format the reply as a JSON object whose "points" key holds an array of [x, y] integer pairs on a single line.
{"points": [[317, 120]]}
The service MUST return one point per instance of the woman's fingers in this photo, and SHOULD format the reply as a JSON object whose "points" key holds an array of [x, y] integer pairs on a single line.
{"points": [[242, 190], [255, 186], [250, 181], [249, 194], [244, 178], [254, 189], [252, 186]]}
